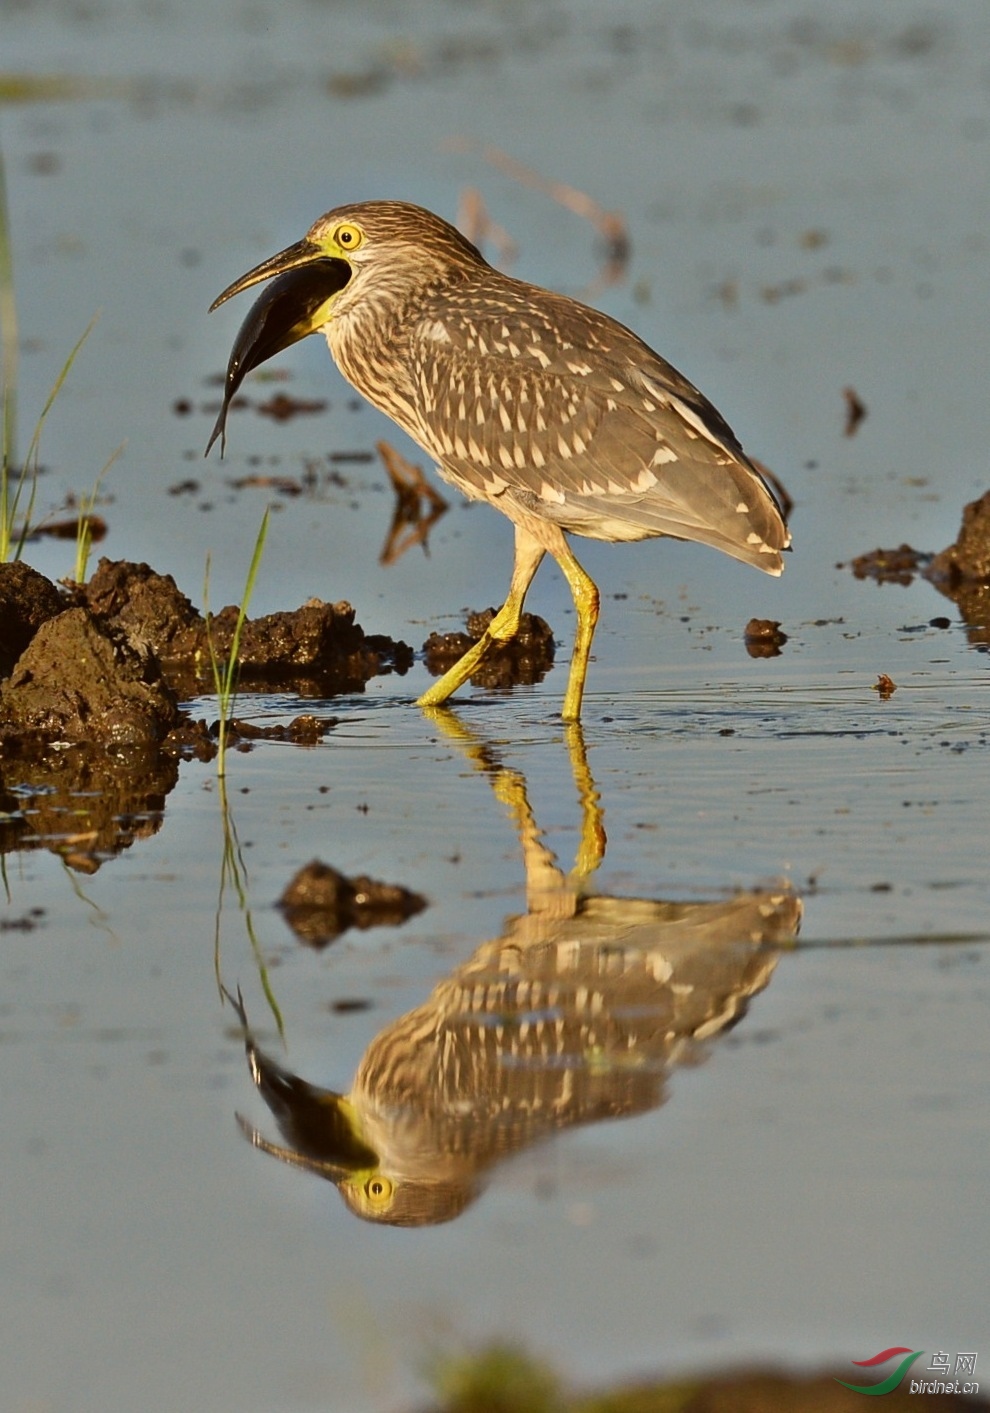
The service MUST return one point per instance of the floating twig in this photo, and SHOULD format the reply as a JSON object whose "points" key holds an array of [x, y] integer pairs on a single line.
{"points": [[855, 411]]}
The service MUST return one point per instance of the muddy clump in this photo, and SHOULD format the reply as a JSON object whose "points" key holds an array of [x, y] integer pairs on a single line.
{"points": [[305, 730], [316, 650], [523, 661], [109, 663], [890, 566], [969, 558], [763, 637], [91, 732], [320, 903], [148, 606], [961, 571], [27, 600], [78, 680]]}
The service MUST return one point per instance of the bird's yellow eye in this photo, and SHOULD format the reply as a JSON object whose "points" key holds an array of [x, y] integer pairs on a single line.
{"points": [[378, 1190], [348, 236]]}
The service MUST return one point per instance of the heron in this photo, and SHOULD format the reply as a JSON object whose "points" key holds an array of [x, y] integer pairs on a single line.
{"points": [[550, 410]]}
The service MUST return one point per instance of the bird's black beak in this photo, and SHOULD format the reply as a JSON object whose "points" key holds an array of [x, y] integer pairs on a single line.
{"points": [[304, 283]]}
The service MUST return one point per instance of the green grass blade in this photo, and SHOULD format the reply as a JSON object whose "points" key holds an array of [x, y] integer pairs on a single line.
{"points": [[225, 674], [255, 566], [28, 475], [84, 520], [8, 365]]}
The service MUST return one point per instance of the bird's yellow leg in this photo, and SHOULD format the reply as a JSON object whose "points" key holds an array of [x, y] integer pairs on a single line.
{"points": [[504, 625], [585, 594]]}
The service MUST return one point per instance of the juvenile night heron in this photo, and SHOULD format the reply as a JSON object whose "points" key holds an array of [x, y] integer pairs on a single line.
{"points": [[554, 413]]}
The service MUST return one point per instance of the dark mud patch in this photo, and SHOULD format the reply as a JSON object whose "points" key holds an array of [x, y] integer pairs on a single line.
{"points": [[91, 680], [69, 529], [305, 730], [763, 637], [83, 680], [27, 600], [315, 650], [320, 903], [890, 566], [523, 661], [961, 571]]}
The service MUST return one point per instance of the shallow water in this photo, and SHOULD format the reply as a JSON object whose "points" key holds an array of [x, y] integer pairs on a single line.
{"points": [[808, 206]]}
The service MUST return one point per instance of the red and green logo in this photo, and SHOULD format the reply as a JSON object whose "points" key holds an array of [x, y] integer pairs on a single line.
{"points": [[888, 1384]]}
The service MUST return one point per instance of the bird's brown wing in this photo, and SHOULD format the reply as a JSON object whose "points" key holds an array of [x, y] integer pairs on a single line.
{"points": [[608, 448]]}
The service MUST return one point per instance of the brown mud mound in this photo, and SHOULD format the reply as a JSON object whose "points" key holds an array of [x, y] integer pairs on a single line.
{"points": [[317, 650], [524, 660], [763, 637], [109, 664], [961, 571], [91, 733], [80, 680], [968, 560], [319, 903], [27, 599], [890, 566]]}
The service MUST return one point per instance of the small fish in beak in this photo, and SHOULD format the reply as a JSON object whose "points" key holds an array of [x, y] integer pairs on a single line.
{"points": [[295, 304]]}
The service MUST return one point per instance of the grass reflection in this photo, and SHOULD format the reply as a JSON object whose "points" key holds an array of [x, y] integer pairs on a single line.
{"points": [[234, 876]]}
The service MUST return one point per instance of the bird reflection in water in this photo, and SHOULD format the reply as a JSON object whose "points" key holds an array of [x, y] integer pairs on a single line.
{"points": [[575, 1014]]}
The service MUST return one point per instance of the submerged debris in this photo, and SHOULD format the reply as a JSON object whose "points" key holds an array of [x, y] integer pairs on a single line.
{"points": [[889, 566], [320, 903], [524, 660], [303, 730], [885, 687]]}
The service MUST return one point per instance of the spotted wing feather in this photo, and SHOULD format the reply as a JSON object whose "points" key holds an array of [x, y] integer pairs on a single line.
{"points": [[562, 411]]}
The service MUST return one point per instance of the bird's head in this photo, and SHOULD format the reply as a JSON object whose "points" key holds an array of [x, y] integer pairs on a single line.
{"points": [[373, 250]]}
